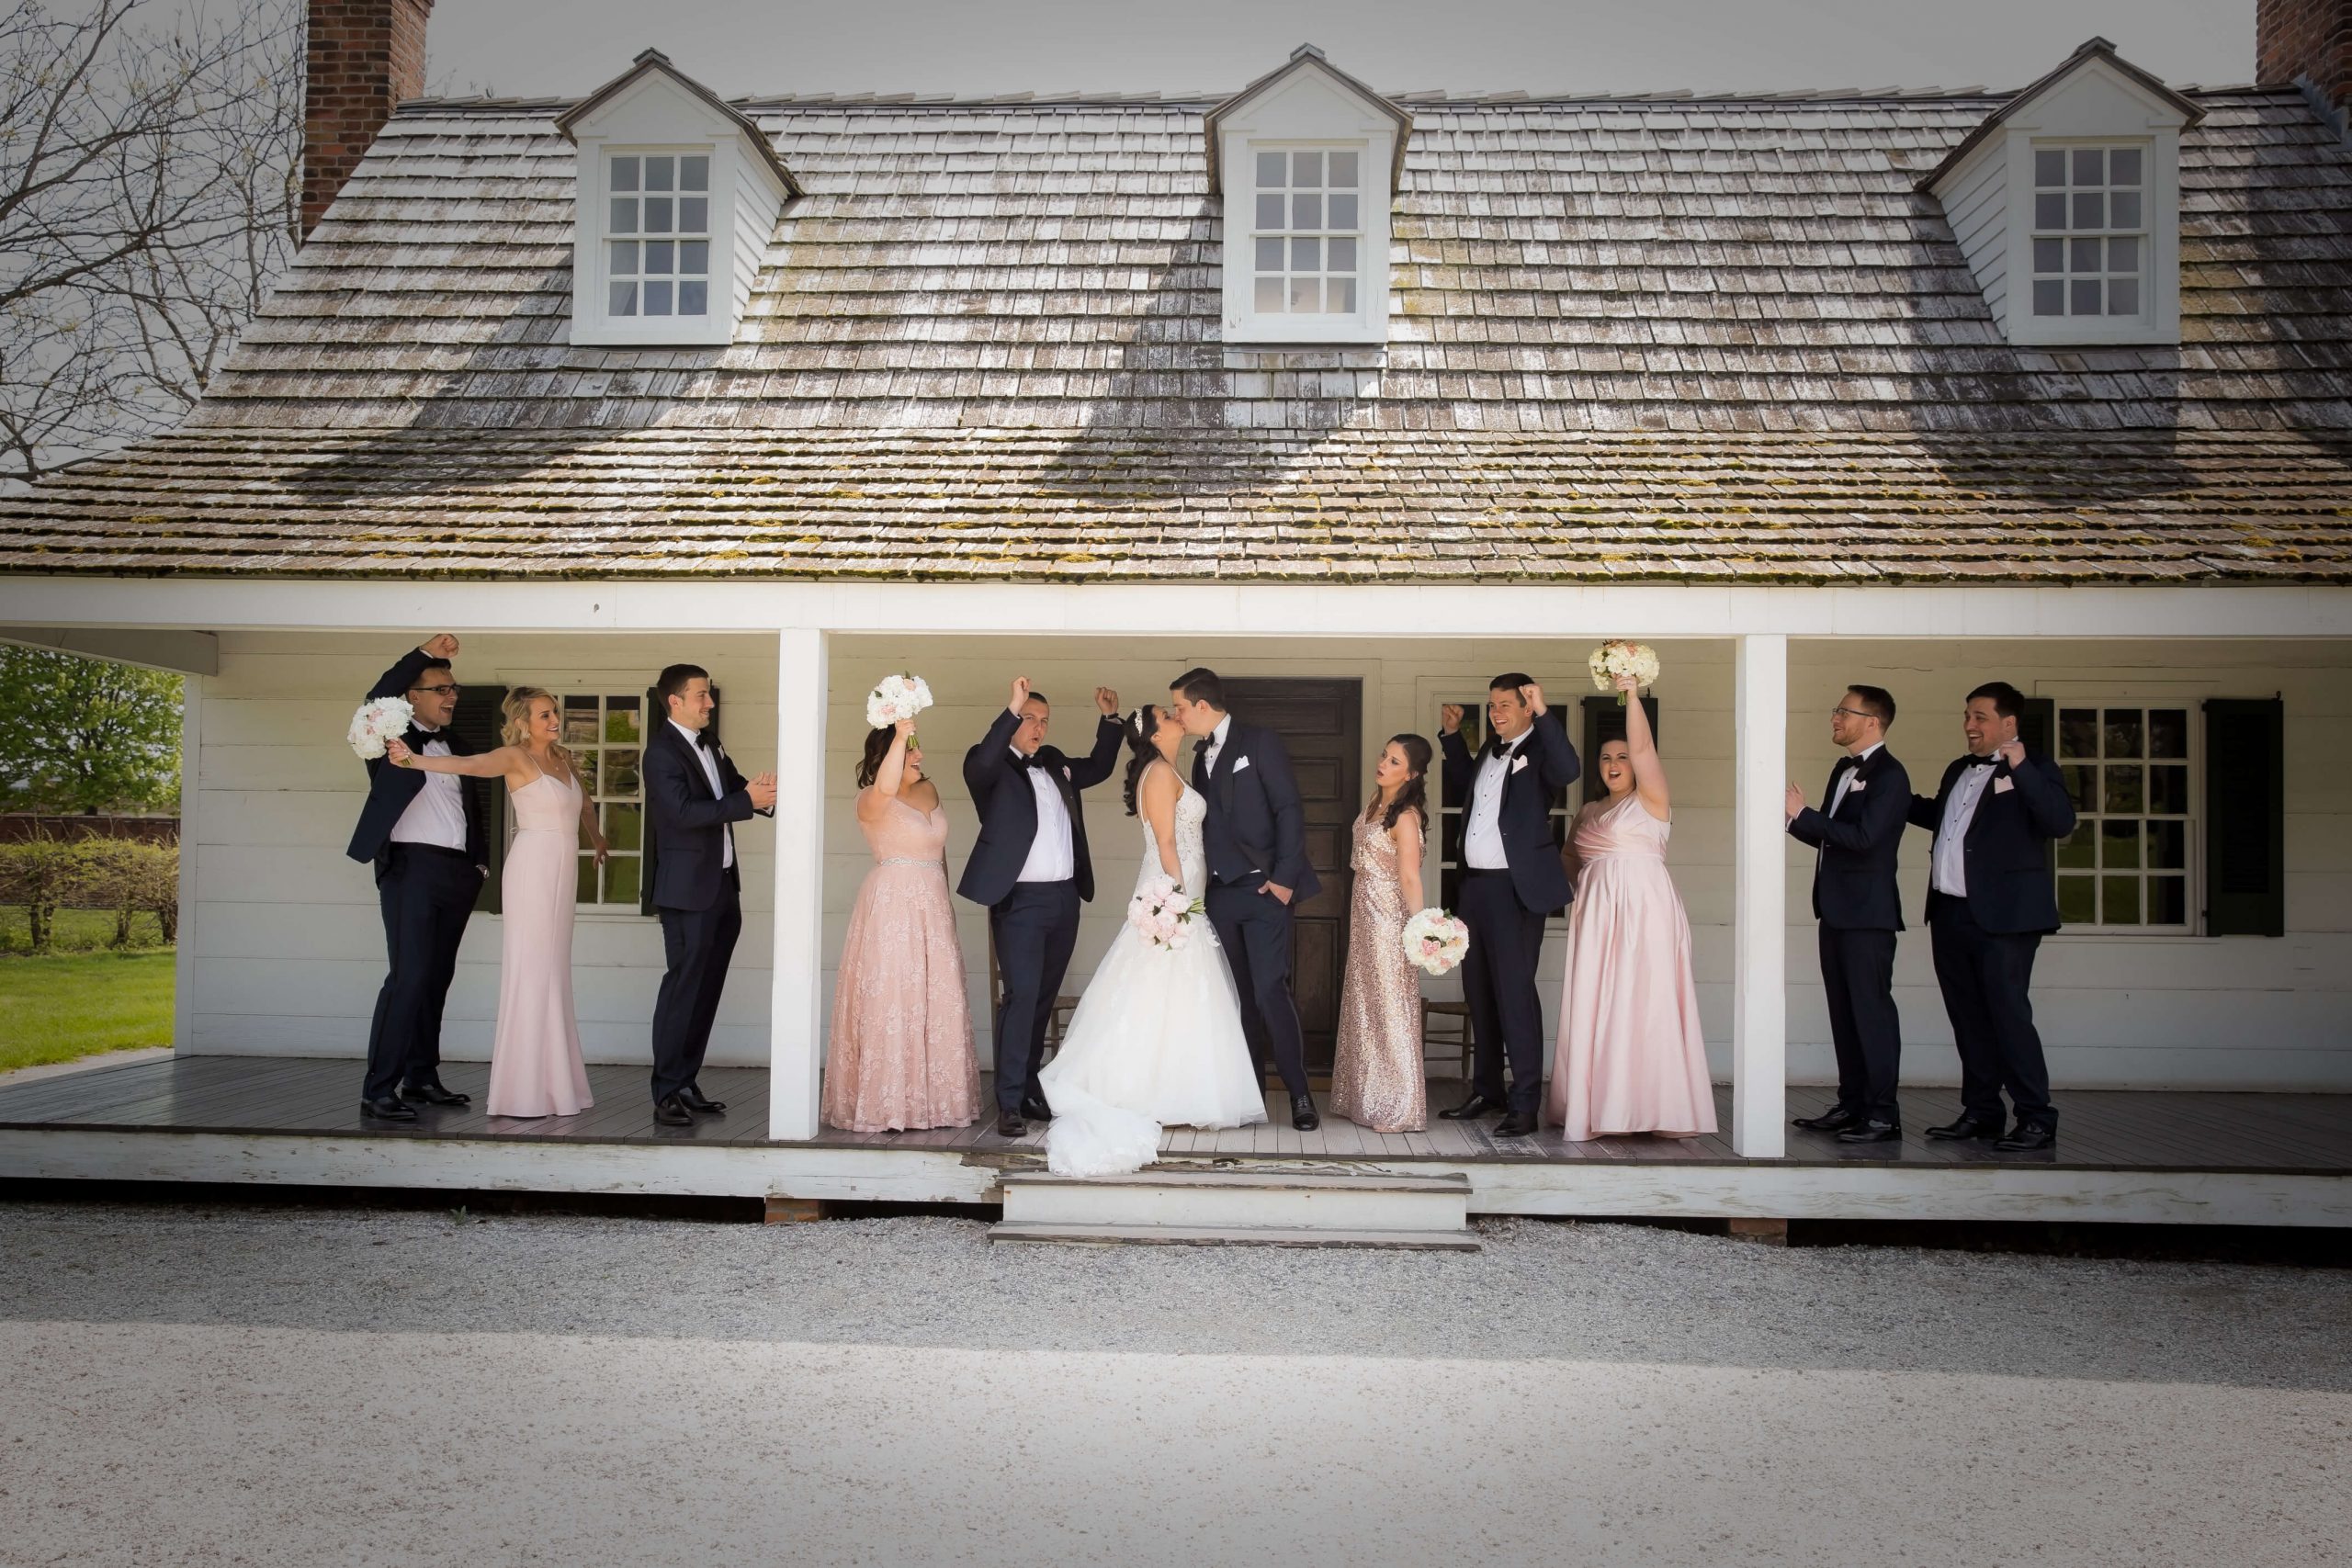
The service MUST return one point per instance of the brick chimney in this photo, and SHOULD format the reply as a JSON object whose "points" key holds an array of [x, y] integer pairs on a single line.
{"points": [[365, 57], [2308, 42]]}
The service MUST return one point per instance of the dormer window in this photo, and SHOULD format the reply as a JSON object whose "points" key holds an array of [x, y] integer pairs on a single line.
{"points": [[2090, 236], [679, 196], [1307, 160]]}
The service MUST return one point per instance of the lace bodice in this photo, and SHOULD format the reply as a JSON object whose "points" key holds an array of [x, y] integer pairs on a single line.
{"points": [[1191, 854]]}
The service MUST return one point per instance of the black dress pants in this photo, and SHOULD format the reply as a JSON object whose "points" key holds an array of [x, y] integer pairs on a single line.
{"points": [[1987, 981], [698, 944], [1255, 930], [1036, 930], [425, 893], [1858, 971], [1499, 985]]}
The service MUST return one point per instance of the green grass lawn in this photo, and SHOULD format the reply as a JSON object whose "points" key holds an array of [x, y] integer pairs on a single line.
{"points": [[64, 1006]]}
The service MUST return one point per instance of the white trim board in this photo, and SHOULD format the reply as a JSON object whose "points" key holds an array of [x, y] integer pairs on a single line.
{"points": [[1394, 612]]}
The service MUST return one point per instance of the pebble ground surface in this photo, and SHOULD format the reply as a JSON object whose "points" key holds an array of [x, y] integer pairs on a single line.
{"points": [[315, 1386]]}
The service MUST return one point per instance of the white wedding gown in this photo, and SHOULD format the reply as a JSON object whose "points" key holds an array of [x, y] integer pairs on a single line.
{"points": [[1156, 1040]]}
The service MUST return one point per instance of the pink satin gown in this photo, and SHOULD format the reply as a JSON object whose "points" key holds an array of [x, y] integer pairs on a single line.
{"points": [[1632, 1056], [900, 1056], [535, 1067]]}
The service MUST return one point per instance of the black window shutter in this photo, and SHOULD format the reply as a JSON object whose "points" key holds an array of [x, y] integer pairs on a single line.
{"points": [[2038, 727], [1604, 720], [477, 724], [2245, 817], [657, 713]]}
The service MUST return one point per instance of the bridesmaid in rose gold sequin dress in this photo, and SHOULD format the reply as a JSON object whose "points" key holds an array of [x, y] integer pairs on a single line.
{"points": [[1378, 1077], [901, 1056]]}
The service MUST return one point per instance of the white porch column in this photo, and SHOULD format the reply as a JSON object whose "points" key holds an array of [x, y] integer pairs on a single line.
{"points": [[1759, 1030], [797, 1015]]}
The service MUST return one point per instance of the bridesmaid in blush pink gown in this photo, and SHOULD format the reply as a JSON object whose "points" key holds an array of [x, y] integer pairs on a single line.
{"points": [[901, 1056], [535, 1066], [1632, 1056]]}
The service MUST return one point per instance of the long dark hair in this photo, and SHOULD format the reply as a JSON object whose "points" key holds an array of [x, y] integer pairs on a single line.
{"points": [[1414, 796], [1143, 750], [878, 747]]}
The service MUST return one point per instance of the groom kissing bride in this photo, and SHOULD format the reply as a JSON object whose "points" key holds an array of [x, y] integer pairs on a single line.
{"points": [[1174, 1033]]}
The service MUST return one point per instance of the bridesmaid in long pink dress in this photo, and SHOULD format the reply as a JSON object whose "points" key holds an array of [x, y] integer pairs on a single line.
{"points": [[1632, 1056], [901, 1056], [535, 1066]]}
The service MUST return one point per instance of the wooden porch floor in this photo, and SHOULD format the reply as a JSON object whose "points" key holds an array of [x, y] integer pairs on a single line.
{"points": [[2100, 1130]]}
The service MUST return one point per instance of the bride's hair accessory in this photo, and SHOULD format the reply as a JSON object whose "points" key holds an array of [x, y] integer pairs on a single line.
{"points": [[1134, 721]]}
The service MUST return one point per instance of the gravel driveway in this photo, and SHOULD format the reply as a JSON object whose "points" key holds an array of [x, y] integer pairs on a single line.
{"points": [[307, 1387]]}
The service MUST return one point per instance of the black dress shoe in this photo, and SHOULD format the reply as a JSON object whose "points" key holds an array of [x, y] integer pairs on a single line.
{"points": [[1515, 1124], [1470, 1110], [1034, 1109], [1873, 1132], [2028, 1135], [433, 1092], [387, 1109], [1968, 1126], [1009, 1125], [693, 1098], [1837, 1119], [1302, 1112], [671, 1112]]}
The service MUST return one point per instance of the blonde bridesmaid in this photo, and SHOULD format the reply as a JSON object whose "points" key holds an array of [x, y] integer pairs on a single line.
{"points": [[1378, 1077], [901, 1056], [1632, 1057], [535, 1066]]}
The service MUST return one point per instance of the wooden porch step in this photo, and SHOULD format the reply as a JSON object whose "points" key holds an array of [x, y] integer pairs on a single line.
{"points": [[1220, 1204], [1233, 1235]]}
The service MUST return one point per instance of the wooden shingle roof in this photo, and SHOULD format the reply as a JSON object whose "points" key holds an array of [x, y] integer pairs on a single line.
{"points": [[1654, 339]]}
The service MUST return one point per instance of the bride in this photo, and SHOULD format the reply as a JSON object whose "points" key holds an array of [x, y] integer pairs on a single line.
{"points": [[1157, 1038]]}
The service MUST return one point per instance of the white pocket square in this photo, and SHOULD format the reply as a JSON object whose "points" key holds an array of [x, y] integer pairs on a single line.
{"points": [[2002, 786], [1240, 763], [1517, 764], [1856, 786]]}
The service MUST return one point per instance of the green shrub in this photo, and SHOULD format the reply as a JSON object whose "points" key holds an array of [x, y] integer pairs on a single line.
{"points": [[47, 876]]}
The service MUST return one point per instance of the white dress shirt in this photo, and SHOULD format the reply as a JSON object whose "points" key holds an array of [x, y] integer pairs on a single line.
{"points": [[1948, 867], [437, 815], [1216, 743], [710, 771], [1482, 836], [1846, 779], [1051, 856]]}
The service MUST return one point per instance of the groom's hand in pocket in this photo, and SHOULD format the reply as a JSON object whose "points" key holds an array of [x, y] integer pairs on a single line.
{"points": [[1277, 890]]}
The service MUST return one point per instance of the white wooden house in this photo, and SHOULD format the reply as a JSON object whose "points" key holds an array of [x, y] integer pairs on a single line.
{"points": [[1361, 398]]}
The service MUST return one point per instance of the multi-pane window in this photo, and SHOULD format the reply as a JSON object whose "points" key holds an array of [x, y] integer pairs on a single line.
{"points": [[1452, 819], [1308, 232], [2090, 236], [657, 238], [605, 735], [2126, 865]]}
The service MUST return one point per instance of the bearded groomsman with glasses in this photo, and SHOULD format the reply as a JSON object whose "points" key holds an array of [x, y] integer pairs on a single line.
{"points": [[423, 833]]}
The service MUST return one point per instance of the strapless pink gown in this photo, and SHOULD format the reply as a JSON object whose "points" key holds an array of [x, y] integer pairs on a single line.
{"points": [[535, 1066], [900, 1055], [1632, 1056]]}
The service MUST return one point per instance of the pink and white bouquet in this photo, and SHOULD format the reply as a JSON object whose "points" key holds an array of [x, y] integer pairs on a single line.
{"points": [[1163, 912], [1612, 659], [378, 722], [1436, 941], [897, 697]]}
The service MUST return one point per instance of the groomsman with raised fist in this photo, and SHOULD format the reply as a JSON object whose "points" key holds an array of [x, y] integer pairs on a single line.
{"points": [[1512, 881], [1857, 831], [1990, 901]]}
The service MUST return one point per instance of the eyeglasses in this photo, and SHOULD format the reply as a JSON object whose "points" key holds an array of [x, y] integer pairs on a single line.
{"points": [[449, 691], [1851, 712]]}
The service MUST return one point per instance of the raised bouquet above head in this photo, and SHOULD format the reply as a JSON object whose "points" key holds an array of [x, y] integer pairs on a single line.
{"points": [[1163, 912], [1436, 941], [378, 722], [1615, 659], [897, 697]]}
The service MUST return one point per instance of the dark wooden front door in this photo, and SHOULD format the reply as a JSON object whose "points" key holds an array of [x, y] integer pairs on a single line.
{"points": [[1321, 722]]}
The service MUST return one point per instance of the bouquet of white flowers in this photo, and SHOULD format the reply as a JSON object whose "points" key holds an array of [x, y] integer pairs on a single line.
{"points": [[1436, 941], [1612, 659], [378, 722], [1160, 910], [897, 697]]}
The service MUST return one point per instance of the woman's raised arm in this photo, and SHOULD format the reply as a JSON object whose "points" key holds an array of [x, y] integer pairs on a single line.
{"points": [[1649, 774], [504, 762]]}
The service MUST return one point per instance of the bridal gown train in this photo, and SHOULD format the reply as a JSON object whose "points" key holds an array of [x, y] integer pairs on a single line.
{"points": [[1157, 1039]]}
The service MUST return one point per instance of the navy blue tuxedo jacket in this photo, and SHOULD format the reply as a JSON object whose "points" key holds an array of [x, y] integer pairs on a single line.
{"points": [[390, 789], [1007, 803], [1256, 822], [1525, 815], [685, 821], [2007, 852], [1853, 887]]}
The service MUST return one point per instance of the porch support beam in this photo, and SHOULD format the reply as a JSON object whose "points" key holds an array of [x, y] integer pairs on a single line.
{"points": [[796, 1014], [173, 652], [1759, 1030]]}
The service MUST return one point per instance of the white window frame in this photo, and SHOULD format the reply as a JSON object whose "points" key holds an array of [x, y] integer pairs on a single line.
{"points": [[1367, 324], [2157, 320], [2192, 819], [601, 796], [592, 322]]}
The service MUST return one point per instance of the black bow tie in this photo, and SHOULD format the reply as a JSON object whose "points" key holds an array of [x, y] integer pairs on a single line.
{"points": [[1033, 761], [702, 740], [1498, 747], [1973, 760]]}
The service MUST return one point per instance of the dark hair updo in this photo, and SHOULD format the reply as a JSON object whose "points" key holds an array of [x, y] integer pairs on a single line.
{"points": [[1143, 750]]}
